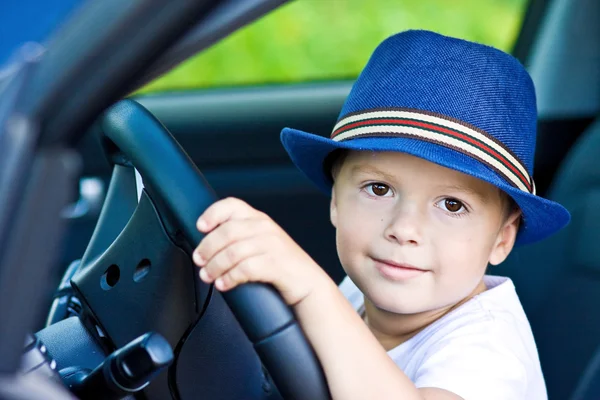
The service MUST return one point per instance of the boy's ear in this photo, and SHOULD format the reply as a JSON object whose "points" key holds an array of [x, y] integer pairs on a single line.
{"points": [[333, 209], [505, 239]]}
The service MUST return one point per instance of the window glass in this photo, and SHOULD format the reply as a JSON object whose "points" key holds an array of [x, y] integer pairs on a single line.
{"points": [[313, 40]]}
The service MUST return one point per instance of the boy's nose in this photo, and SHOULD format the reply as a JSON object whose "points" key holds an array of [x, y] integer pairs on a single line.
{"points": [[405, 227]]}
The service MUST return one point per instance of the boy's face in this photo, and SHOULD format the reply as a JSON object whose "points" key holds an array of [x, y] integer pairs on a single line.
{"points": [[393, 210]]}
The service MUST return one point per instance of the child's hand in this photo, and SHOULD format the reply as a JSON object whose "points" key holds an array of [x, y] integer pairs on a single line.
{"points": [[245, 245]]}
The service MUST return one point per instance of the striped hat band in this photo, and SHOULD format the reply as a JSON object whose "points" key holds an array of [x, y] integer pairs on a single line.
{"points": [[440, 130]]}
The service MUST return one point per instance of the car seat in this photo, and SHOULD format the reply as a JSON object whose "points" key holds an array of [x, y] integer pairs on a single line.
{"points": [[558, 280]]}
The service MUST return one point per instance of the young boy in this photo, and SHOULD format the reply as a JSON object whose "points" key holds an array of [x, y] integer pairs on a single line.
{"points": [[429, 170]]}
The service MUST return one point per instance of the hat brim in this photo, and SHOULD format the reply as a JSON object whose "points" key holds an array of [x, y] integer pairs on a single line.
{"points": [[540, 217]]}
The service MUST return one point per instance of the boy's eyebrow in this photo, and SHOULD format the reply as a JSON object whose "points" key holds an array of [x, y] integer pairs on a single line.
{"points": [[465, 189], [369, 169]]}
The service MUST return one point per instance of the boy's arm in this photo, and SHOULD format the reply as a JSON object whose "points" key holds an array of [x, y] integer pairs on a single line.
{"points": [[355, 364], [245, 245]]}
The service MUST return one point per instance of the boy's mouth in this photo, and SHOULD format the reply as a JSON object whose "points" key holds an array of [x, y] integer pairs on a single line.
{"points": [[397, 271]]}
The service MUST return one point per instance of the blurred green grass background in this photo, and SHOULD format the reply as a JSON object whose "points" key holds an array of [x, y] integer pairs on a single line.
{"points": [[311, 40]]}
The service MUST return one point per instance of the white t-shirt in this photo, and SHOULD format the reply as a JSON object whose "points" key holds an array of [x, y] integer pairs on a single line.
{"points": [[483, 349]]}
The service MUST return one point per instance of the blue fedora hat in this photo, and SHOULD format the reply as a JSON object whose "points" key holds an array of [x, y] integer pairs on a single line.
{"points": [[459, 104]]}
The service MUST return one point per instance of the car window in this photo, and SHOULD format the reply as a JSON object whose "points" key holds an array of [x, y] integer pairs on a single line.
{"points": [[314, 40]]}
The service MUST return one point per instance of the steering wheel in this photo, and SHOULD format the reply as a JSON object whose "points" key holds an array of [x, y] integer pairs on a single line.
{"points": [[177, 185]]}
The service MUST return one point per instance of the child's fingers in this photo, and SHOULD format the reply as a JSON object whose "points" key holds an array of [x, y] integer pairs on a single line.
{"points": [[226, 234], [249, 270], [222, 211], [230, 258]]}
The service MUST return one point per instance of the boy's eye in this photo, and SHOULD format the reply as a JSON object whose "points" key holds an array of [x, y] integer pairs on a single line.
{"points": [[378, 189], [452, 205]]}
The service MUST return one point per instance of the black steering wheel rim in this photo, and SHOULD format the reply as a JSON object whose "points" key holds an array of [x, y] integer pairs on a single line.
{"points": [[263, 315]]}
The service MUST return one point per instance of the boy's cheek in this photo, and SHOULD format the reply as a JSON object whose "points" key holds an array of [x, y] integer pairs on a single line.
{"points": [[462, 260]]}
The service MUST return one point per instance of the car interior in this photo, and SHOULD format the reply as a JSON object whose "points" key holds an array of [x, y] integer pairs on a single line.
{"points": [[122, 290]]}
